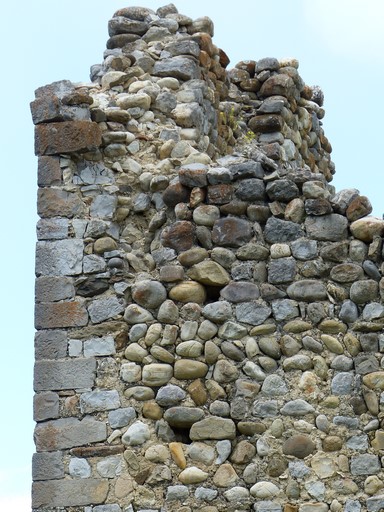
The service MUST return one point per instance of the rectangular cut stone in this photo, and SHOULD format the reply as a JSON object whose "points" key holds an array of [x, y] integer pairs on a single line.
{"points": [[54, 202], [68, 433], [52, 229], [69, 493], [51, 289], [46, 406], [66, 137], [65, 374], [47, 466], [48, 171], [99, 400], [50, 344], [59, 258], [46, 109], [51, 315], [99, 346]]}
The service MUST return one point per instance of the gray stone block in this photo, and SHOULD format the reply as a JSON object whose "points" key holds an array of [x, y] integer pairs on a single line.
{"points": [[50, 344], [104, 308], [65, 374], [59, 258], [69, 493], [45, 406], [68, 433], [99, 400], [52, 229], [99, 347], [51, 289], [47, 466]]}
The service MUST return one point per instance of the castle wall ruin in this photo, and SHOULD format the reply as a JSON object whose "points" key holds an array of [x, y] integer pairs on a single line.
{"points": [[209, 310]]}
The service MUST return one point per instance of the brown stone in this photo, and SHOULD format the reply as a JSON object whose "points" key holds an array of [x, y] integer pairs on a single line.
{"points": [[152, 410], [249, 428], [243, 453], [97, 451], [189, 291], [213, 427], [52, 202], [48, 171], [104, 244], [278, 85], [225, 476], [175, 194], [299, 446], [276, 466], [177, 455], [267, 123], [51, 315], [210, 273], [192, 256], [367, 229], [318, 206], [231, 232], [66, 137], [179, 235], [332, 443], [220, 194], [346, 273], [189, 369], [358, 208], [198, 392], [193, 175]]}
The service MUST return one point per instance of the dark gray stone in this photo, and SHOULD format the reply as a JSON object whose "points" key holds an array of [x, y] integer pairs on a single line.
{"points": [[282, 190], [50, 344], [281, 270], [244, 170], [371, 270], [65, 374], [277, 230], [253, 313], [251, 189], [331, 227], [285, 309], [47, 466], [240, 292], [231, 232], [349, 312], [307, 290]]}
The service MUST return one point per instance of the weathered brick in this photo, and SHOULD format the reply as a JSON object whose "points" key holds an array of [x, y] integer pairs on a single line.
{"points": [[46, 406], [68, 433], [50, 344], [48, 171], [53, 202], [64, 374], [51, 289], [53, 315], [69, 493], [47, 466], [66, 137]]}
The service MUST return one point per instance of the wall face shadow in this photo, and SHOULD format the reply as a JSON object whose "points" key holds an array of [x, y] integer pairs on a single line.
{"points": [[209, 311]]}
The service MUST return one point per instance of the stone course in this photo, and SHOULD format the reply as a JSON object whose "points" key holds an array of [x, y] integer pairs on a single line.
{"points": [[209, 310]]}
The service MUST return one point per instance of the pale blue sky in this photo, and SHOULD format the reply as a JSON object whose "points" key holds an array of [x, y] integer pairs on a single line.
{"points": [[339, 47]]}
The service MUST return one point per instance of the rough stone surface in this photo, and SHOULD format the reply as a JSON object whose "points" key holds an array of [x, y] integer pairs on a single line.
{"points": [[209, 309]]}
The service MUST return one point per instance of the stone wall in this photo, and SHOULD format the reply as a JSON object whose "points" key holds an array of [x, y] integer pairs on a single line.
{"points": [[209, 311]]}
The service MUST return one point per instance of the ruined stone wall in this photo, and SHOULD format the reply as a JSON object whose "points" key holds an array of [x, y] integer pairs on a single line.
{"points": [[209, 311]]}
